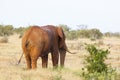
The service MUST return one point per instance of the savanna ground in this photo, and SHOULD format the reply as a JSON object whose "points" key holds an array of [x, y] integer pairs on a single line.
{"points": [[10, 53]]}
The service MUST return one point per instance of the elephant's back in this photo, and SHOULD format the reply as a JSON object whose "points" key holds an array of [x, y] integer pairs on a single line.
{"points": [[37, 35]]}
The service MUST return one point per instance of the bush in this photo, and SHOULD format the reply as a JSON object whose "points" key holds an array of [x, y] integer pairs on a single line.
{"points": [[110, 34], [6, 30], [93, 34], [83, 33], [72, 35], [4, 40], [21, 30], [96, 59], [95, 68], [90, 33]]}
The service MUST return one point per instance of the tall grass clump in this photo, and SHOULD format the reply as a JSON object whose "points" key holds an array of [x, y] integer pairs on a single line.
{"points": [[58, 74], [95, 67]]}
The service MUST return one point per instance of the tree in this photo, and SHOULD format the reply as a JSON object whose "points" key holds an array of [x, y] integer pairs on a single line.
{"points": [[95, 33], [6, 30], [64, 27]]}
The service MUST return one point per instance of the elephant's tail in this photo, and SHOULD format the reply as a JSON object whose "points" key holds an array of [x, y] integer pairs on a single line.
{"points": [[25, 48], [25, 43], [20, 59]]}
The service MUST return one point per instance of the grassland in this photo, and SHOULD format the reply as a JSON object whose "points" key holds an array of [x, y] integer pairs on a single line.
{"points": [[10, 53]]}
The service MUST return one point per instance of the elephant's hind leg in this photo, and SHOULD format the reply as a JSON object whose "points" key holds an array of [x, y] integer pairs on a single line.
{"points": [[34, 63], [45, 61], [34, 56], [28, 60]]}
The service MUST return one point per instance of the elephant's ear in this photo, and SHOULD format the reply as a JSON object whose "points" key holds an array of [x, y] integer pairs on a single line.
{"points": [[61, 37], [60, 33]]}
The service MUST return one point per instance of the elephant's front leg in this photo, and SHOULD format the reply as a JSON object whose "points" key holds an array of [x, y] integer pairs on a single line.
{"points": [[45, 61], [62, 57], [55, 58]]}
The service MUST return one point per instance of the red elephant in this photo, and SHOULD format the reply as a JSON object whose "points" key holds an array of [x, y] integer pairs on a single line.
{"points": [[38, 41]]}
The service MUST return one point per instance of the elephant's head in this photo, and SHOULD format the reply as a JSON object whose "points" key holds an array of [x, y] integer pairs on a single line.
{"points": [[62, 45], [61, 39]]}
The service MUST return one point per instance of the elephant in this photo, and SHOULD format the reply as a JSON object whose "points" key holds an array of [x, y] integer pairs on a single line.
{"points": [[38, 41]]}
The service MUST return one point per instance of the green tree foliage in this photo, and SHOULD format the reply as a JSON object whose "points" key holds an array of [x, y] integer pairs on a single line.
{"points": [[95, 33], [71, 35], [110, 34], [20, 30], [64, 27], [107, 34], [1, 30], [6, 30], [84, 33], [90, 33], [81, 33]]}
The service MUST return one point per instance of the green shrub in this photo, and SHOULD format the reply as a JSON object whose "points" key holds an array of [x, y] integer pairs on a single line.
{"points": [[110, 34], [95, 68], [96, 59], [6, 30], [72, 35], [21, 30]]}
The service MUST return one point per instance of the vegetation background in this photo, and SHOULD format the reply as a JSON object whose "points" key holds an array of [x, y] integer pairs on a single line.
{"points": [[10, 52]]}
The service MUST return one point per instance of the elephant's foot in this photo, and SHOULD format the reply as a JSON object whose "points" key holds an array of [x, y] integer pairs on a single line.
{"points": [[28, 67], [45, 61], [34, 64]]}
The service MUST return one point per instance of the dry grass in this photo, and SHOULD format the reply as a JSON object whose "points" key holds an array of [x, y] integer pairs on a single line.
{"points": [[11, 51]]}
